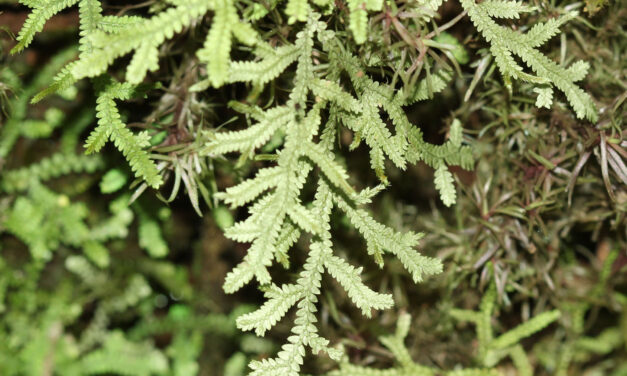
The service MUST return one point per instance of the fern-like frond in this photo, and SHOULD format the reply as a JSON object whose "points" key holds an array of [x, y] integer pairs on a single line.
{"points": [[297, 10], [58, 164], [111, 127], [267, 69], [250, 189], [251, 138], [278, 216], [358, 18], [36, 20], [506, 42], [90, 14], [444, 184], [217, 48], [505, 8], [350, 279], [142, 36], [280, 300], [492, 350]]}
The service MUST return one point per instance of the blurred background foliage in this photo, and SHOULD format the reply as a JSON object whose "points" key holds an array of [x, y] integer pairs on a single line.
{"points": [[92, 285]]}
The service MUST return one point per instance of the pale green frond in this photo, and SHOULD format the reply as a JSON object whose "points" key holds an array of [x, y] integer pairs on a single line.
{"points": [[37, 19], [455, 135], [578, 70], [358, 23], [350, 278], [540, 33], [606, 342], [115, 24], [238, 277], [279, 301], [358, 17], [445, 185], [250, 189], [420, 91], [504, 42], [305, 219], [380, 238], [535, 324], [475, 372], [265, 70], [217, 48], [520, 360], [97, 253], [297, 10], [304, 332], [376, 133], [162, 26], [243, 231], [450, 153], [374, 4], [377, 162], [245, 33], [580, 100], [505, 8], [332, 170], [112, 181], [396, 347], [545, 97], [415, 263], [252, 137], [63, 80], [32, 3], [111, 127], [133, 147], [151, 238], [492, 350], [120, 356], [287, 238], [331, 91], [353, 370], [90, 14], [145, 59], [115, 226], [286, 366]]}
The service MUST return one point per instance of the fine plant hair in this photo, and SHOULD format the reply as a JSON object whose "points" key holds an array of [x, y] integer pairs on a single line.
{"points": [[330, 83]]}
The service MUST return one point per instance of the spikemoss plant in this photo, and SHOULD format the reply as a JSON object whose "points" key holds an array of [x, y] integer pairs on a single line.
{"points": [[310, 73]]}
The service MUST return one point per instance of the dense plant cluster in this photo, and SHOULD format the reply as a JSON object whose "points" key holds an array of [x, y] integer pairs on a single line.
{"points": [[199, 187]]}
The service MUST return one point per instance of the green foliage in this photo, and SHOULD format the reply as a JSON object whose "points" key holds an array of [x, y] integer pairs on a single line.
{"points": [[504, 42], [394, 344], [110, 127], [492, 350], [57, 165], [18, 123], [280, 210], [329, 129]]}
